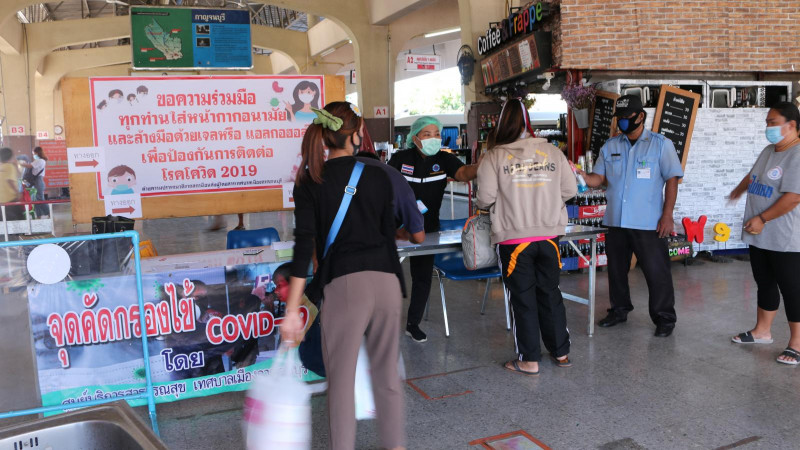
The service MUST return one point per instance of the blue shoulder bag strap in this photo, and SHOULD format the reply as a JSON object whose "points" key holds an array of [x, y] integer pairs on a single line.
{"points": [[349, 192]]}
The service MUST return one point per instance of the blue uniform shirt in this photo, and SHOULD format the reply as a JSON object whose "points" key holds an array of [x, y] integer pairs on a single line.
{"points": [[636, 176]]}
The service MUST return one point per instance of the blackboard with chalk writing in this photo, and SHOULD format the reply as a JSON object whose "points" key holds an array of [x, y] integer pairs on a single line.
{"points": [[602, 120], [675, 116]]}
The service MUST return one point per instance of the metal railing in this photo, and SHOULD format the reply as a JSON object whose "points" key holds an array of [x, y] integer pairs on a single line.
{"points": [[149, 394]]}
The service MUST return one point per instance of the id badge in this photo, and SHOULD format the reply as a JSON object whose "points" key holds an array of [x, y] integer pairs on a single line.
{"points": [[643, 173], [421, 206]]}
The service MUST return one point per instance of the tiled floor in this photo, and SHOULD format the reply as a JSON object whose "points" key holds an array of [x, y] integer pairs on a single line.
{"points": [[626, 390]]}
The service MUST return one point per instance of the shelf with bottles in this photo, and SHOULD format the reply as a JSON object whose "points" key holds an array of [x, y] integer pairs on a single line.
{"points": [[571, 260], [587, 205], [488, 121]]}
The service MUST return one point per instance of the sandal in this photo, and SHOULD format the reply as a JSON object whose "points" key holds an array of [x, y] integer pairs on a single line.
{"points": [[748, 338], [515, 368], [562, 362], [791, 353], [239, 227]]}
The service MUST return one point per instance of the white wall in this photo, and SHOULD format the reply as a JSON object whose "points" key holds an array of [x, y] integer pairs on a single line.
{"points": [[725, 144]]}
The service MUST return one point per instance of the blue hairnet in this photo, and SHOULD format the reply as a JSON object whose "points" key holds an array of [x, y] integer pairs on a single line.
{"points": [[418, 125]]}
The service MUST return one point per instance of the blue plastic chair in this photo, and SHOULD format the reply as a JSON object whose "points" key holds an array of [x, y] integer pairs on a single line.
{"points": [[451, 266], [252, 238]]}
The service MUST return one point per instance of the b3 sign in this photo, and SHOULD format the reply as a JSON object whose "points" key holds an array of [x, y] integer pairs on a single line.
{"points": [[16, 130], [423, 63]]}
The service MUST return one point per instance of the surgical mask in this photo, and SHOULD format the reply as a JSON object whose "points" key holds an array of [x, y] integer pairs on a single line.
{"points": [[306, 98], [35, 156], [121, 187], [627, 126], [431, 146], [774, 134]]}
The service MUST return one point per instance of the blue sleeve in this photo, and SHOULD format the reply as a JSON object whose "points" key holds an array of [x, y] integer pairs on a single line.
{"points": [[669, 162], [451, 164], [600, 165]]}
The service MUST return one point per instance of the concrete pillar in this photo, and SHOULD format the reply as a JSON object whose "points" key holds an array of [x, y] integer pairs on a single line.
{"points": [[16, 97], [374, 65], [475, 16]]}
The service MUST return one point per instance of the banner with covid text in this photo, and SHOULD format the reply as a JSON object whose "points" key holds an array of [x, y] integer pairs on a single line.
{"points": [[209, 331], [192, 135]]}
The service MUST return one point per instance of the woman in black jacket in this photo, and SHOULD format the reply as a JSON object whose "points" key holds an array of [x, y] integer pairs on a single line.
{"points": [[359, 272]]}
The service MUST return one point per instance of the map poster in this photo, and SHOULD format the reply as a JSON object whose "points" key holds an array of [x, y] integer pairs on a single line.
{"points": [[190, 38], [200, 135]]}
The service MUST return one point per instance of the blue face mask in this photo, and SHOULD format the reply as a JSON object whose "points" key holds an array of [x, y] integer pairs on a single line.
{"points": [[121, 187], [774, 134]]}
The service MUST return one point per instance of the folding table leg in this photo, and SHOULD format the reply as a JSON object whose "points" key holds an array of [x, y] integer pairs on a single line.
{"points": [[444, 306], [485, 295]]}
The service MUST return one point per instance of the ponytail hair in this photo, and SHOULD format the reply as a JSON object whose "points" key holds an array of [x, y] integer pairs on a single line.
{"points": [[513, 121], [318, 137]]}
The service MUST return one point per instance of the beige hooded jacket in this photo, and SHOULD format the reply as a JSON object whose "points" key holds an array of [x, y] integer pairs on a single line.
{"points": [[524, 185]]}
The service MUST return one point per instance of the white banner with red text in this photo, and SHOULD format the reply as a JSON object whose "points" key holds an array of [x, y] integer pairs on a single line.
{"points": [[191, 135]]}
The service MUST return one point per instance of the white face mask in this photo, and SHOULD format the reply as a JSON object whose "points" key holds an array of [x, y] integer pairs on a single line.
{"points": [[306, 98]]}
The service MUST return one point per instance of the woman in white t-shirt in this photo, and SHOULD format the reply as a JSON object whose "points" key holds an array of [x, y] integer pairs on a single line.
{"points": [[772, 229], [38, 167]]}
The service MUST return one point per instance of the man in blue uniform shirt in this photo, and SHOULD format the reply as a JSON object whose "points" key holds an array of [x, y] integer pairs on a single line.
{"points": [[641, 169]]}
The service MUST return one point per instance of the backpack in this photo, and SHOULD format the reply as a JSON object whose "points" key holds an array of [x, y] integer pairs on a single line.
{"points": [[28, 177]]}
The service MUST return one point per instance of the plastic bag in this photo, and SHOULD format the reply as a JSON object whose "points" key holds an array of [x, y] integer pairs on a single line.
{"points": [[277, 408], [365, 400], [476, 243]]}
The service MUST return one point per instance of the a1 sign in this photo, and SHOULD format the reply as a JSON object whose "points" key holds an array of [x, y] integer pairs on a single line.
{"points": [[381, 112], [16, 130], [42, 135]]}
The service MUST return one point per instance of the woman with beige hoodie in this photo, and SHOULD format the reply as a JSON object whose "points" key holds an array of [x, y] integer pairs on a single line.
{"points": [[524, 182]]}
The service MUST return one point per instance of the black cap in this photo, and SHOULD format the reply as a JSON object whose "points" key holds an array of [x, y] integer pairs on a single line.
{"points": [[627, 105]]}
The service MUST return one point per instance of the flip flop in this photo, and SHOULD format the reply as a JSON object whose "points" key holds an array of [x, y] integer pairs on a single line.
{"points": [[792, 353], [748, 338], [515, 365], [562, 362]]}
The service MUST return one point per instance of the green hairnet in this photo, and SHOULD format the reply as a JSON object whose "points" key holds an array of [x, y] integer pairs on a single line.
{"points": [[419, 124]]}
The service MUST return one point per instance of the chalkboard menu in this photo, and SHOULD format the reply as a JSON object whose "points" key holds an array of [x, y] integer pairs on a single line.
{"points": [[602, 120], [675, 115]]}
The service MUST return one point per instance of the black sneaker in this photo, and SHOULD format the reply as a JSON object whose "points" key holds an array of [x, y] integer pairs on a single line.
{"points": [[415, 333]]}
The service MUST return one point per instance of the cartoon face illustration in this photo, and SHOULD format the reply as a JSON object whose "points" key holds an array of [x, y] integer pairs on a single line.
{"points": [[132, 99], [305, 95], [121, 180], [116, 96]]}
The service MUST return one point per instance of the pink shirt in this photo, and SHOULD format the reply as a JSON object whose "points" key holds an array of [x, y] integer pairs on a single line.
{"points": [[528, 239]]}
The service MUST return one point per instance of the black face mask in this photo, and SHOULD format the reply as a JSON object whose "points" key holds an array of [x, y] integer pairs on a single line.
{"points": [[357, 148], [627, 125]]}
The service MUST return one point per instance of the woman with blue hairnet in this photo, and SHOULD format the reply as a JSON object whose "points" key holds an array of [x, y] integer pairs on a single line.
{"points": [[427, 170]]}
